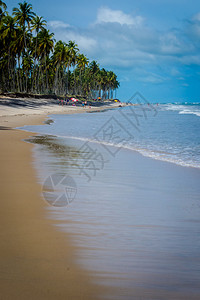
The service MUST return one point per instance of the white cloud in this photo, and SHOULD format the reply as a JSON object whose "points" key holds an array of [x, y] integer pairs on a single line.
{"points": [[118, 40], [65, 32], [107, 15], [85, 43], [58, 24]]}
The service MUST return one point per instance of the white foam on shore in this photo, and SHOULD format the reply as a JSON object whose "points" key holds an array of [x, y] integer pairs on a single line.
{"points": [[189, 112], [183, 109], [154, 154]]}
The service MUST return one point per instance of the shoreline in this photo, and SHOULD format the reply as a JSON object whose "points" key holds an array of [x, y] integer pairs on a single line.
{"points": [[36, 260], [27, 106]]}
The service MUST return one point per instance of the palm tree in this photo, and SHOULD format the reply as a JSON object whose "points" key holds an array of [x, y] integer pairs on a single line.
{"points": [[8, 29], [3, 67], [8, 33], [27, 54], [27, 65], [18, 46], [82, 62], [73, 50], [116, 85], [110, 81], [45, 46], [60, 58], [23, 16], [37, 24], [93, 71]]}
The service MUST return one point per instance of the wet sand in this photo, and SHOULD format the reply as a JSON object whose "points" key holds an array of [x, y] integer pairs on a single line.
{"points": [[36, 261], [136, 225]]}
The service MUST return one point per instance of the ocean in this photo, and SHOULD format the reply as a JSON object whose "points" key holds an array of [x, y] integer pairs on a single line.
{"points": [[169, 132], [124, 184]]}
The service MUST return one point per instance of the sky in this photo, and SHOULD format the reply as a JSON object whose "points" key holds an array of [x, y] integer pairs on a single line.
{"points": [[152, 45]]}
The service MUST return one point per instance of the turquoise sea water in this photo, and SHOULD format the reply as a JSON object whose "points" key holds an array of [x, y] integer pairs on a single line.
{"points": [[169, 132], [135, 219]]}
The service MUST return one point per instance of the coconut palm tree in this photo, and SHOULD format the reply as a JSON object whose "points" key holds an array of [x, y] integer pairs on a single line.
{"points": [[27, 65], [82, 62], [45, 46], [110, 82], [8, 34], [23, 16], [27, 54], [104, 82], [93, 76], [37, 24], [116, 85], [60, 58], [8, 29], [73, 50], [18, 46]]}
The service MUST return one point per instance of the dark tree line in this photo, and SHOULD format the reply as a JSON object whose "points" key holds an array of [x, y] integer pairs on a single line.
{"points": [[31, 61]]}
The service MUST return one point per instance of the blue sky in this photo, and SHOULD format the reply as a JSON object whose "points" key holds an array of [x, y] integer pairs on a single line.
{"points": [[152, 45]]}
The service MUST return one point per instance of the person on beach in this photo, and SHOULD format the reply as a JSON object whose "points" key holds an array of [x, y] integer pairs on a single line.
{"points": [[85, 103]]}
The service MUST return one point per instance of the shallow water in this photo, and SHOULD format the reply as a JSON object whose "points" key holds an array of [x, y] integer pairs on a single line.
{"points": [[135, 222]]}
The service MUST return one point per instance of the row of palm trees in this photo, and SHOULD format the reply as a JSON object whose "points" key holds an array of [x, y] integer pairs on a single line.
{"points": [[31, 61]]}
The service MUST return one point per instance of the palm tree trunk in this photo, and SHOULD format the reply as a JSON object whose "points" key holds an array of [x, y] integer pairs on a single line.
{"points": [[56, 79], [46, 71], [67, 79], [33, 80], [19, 74]]}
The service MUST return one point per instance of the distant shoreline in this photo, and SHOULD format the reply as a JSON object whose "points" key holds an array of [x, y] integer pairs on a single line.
{"points": [[10, 106]]}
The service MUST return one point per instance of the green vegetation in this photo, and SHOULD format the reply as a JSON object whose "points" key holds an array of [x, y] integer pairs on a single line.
{"points": [[31, 61]]}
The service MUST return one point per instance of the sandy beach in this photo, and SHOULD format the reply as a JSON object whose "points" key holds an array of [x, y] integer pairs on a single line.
{"points": [[126, 237], [36, 261]]}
